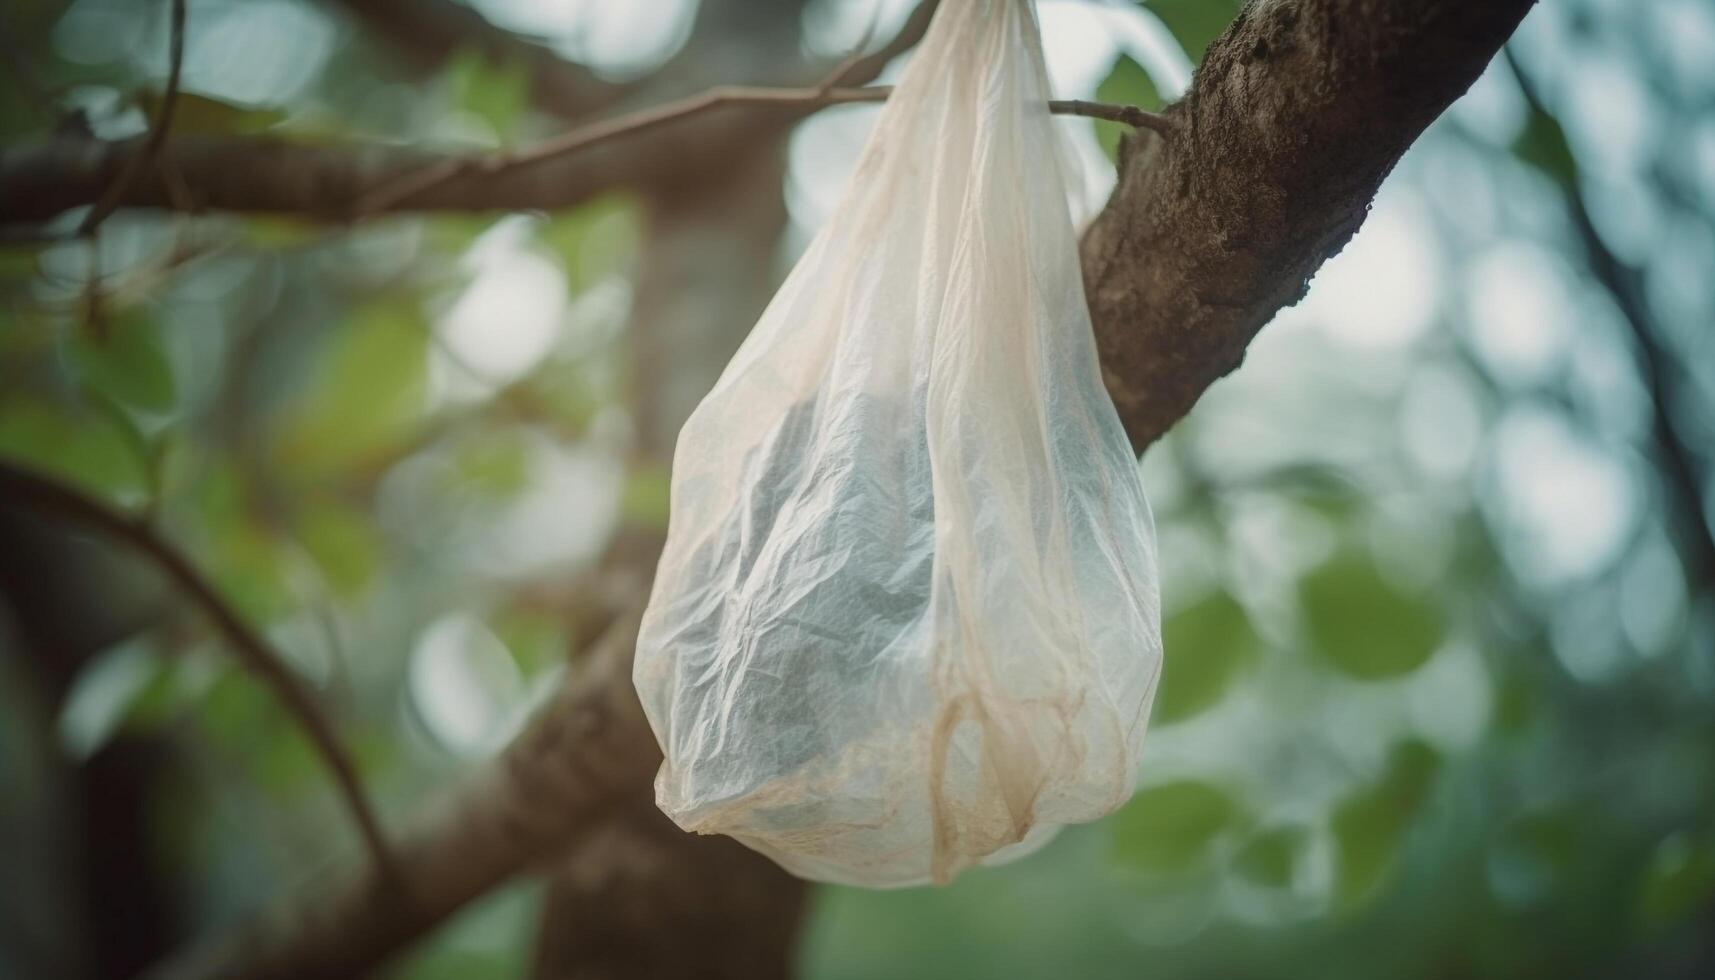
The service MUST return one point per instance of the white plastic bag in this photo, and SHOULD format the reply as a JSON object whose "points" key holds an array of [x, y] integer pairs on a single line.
{"points": [[907, 617]]}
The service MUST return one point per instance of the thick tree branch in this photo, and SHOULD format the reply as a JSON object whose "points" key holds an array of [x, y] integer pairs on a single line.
{"points": [[1293, 119], [48, 496], [586, 753]]}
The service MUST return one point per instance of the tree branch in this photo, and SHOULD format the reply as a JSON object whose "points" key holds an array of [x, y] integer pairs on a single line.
{"points": [[1297, 113], [52, 497], [586, 753], [413, 186], [40, 181], [339, 183]]}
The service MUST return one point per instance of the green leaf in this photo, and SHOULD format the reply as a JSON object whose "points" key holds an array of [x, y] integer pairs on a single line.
{"points": [[594, 241], [1543, 145], [125, 361], [1362, 624], [237, 710], [195, 114], [84, 447], [496, 92], [1271, 857], [1369, 826], [452, 234], [648, 490], [570, 392], [280, 231], [19, 261], [247, 561], [1126, 84], [537, 641], [1168, 828], [1206, 644], [1536, 854], [496, 464], [368, 393], [1515, 701], [1680, 880], [287, 764], [1195, 23], [246, 720], [343, 542]]}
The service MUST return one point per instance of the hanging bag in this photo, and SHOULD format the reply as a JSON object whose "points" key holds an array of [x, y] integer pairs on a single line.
{"points": [[906, 620]]}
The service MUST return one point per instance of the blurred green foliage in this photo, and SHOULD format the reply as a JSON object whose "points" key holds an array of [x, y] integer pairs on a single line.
{"points": [[1390, 739], [196, 114], [1207, 643], [1369, 825], [1363, 624], [1195, 23], [1170, 827]]}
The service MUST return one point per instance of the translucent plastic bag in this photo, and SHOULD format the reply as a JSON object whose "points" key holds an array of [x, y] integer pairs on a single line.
{"points": [[907, 617]]}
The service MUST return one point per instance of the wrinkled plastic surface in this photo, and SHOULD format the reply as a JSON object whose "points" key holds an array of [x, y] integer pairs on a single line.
{"points": [[907, 617]]}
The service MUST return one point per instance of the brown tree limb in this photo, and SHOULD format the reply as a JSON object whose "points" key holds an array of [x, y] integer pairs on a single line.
{"points": [[49, 496], [339, 183], [1297, 113], [274, 176], [586, 754]]}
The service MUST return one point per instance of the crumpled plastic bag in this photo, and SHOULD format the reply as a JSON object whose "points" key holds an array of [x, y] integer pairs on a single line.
{"points": [[907, 617]]}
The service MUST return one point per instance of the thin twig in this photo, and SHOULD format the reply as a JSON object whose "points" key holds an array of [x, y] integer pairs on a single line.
{"points": [[48, 495], [1129, 115], [401, 190], [157, 132], [864, 70], [855, 58]]}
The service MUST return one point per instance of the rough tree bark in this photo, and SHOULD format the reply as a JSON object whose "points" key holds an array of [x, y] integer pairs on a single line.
{"points": [[1294, 118]]}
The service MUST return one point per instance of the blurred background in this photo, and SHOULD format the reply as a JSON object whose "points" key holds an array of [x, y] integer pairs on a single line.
{"points": [[1440, 690]]}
